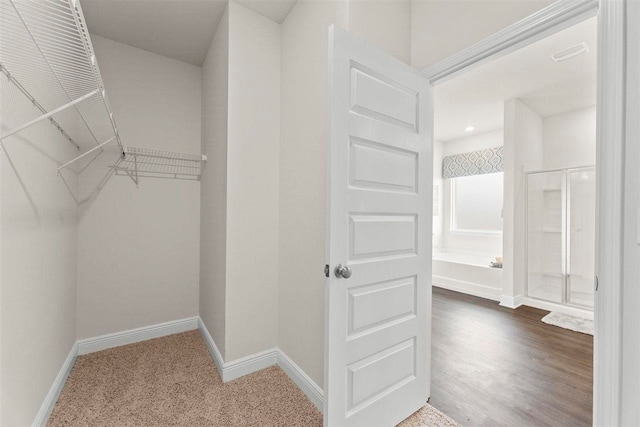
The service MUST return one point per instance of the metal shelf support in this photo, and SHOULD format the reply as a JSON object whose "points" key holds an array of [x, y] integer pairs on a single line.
{"points": [[49, 114], [36, 104], [98, 147]]}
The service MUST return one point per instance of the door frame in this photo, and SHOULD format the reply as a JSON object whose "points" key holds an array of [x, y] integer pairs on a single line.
{"points": [[610, 200]]}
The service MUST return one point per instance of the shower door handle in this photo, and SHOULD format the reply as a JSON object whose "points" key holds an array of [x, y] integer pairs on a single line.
{"points": [[342, 271]]}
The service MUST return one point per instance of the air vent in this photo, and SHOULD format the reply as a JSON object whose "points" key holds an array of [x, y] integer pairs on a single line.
{"points": [[570, 52]]}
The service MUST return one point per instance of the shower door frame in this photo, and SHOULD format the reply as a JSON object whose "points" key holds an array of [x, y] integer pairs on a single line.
{"points": [[566, 235]]}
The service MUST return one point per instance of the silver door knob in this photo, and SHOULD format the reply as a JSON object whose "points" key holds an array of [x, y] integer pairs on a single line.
{"points": [[342, 271]]}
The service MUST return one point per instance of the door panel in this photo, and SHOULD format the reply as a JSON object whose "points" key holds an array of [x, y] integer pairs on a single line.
{"points": [[380, 374], [380, 167], [377, 304], [377, 336], [382, 99], [376, 236]]}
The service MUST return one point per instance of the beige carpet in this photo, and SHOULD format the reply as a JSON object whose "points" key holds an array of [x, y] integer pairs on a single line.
{"points": [[172, 381]]}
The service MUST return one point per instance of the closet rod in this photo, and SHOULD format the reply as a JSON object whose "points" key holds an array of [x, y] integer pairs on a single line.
{"points": [[36, 104], [49, 114], [98, 147]]}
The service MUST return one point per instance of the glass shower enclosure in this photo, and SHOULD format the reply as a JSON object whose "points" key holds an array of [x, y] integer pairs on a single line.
{"points": [[561, 211]]}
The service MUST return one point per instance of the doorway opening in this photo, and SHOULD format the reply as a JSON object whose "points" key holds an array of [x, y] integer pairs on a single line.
{"points": [[514, 235]]}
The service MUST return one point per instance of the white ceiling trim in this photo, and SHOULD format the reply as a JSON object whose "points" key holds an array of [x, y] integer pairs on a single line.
{"points": [[549, 20]]}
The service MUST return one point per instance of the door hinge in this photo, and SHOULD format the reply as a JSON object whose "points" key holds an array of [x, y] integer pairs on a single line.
{"points": [[326, 270], [597, 284]]}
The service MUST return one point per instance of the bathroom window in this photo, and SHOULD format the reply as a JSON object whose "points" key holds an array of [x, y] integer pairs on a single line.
{"points": [[476, 203]]}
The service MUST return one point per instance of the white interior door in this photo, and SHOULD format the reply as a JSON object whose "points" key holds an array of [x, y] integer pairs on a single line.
{"points": [[378, 320]]}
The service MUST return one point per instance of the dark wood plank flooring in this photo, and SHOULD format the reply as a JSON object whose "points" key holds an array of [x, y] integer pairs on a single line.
{"points": [[493, 366]]}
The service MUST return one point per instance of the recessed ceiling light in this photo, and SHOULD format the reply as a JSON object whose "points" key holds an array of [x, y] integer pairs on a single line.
{"points": [[470, 128], [570, 52]]}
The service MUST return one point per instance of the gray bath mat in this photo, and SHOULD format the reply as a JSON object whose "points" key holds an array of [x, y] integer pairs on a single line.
{"points": [[573, 323]]}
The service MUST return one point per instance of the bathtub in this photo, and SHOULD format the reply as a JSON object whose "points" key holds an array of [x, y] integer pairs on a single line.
{"points": [[469, 273]]}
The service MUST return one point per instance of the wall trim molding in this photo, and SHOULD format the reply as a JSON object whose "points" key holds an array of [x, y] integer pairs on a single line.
{"points": [[302, 380], [470, 288], [234, 369], [610, 232], [228, 371], [117, 339], [511, 301], [555, 17], [58, 383], [249, 364], [218, 360]]}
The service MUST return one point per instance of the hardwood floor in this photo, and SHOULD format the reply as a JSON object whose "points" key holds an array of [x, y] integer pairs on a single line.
{"points": [[493, 366]]}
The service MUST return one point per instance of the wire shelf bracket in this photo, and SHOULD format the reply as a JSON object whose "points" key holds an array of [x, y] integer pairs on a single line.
{"points": [[46, 52], [26, 93], [48, 115], [85, 154]]}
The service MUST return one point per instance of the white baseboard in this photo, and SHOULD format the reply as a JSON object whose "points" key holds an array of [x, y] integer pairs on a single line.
{"points": [[131, 336], [312, 390], [511, 302], [213, 348], [474, 289], [230, 371], [247, 365], [58, 383], [104, 342]]}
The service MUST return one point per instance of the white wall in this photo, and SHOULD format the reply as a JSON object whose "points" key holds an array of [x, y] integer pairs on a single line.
{"points": [[213, 190], [384, 23], [38, 256], [523, 150], [440, 28], [138, 248], [302, 181], [240, 190], [253, 161], [570, 139], [481, 243], [303, 137]]}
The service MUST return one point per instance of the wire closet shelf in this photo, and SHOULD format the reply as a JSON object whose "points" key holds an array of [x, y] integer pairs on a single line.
{"points": [[47, 54], [137, 162]]}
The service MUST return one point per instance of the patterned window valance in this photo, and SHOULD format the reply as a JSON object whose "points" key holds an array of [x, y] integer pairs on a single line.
{"points": [[475, 163]]}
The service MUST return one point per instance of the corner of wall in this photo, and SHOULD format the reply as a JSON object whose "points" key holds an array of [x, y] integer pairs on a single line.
{"points": [[302, 182], [523, 150], [213, 187], [253, 176]]}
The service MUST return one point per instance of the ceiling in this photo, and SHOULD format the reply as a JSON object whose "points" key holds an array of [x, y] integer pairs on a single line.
{"points": [[476, 98], [179, 29], [276, 10]]}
